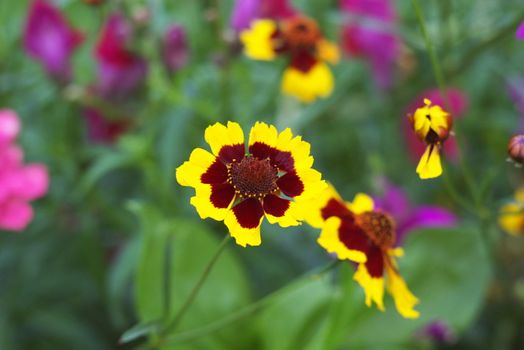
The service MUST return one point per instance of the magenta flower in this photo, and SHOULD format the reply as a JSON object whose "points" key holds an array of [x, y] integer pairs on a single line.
{"points": [[369, 32], [49, 39], [103, 130], [19, 183], [409, 218], [246, 11], [120, 71], [516, 92], [174, 48], [520, 32], [458, 105]]}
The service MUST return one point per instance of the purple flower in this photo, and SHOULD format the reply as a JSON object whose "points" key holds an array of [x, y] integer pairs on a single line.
{"points": [[246, 11], [369, 32], [103, 130], [438, 332], [409, 218], [49, 39], [520, 32], [516, 92], [120, 71], [174, 48]]}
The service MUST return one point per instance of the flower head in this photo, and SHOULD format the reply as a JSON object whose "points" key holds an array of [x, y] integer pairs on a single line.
{"points": [[120, 71], [359, 232], [49, 38], [520, 32], [408, 217], [432, 126], [516, 149], [246, 11], [458, 104], [511, 215], [174, 48], [370, 33], [307, 76], [19, 183], [271, 178]]}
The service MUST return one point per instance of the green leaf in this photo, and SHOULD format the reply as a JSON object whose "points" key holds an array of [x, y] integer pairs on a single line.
{"points": [[139, 330], [189, 246], [447, 269]]}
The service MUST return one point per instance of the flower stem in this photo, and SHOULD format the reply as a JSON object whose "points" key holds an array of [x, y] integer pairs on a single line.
{"points": [[196, 288], [246, 311]]}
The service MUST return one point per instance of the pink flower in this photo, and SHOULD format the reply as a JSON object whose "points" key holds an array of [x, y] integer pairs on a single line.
{"points": [[246, 11], [120, 71], [19, 183], [103, 130], [409, 218], [458, 105], [369, 33], [49, 39], [174, 48], [520, 32]]}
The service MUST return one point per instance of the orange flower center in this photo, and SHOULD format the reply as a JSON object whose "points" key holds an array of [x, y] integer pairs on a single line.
{"points": [[253, 177], [301, 33], [379, 227]]}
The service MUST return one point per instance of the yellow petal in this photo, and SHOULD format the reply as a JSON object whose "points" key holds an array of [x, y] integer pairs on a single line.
{"points": [[519, 195], [511, 219], [242, 235], [310, 85], [292, 217], [361, 203], [328, 51], [257, 40], [373, 287], [263, 133], [330, 241], [218, 136], [405, 301], [312, 208], [202, 203], [429, 165], [189, 173]]}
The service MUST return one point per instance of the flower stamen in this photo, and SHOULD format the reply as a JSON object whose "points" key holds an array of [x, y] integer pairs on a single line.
{"points": [[253, 177]]}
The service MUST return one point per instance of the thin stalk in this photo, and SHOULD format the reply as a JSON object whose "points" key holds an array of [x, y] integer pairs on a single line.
{"points": [[196, 288], [246, 311]]}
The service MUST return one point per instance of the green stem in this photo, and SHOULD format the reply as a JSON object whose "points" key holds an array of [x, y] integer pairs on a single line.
{"points": [[246, 311], [196, 289]]}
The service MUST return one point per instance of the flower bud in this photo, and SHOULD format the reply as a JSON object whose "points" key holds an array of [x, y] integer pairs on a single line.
{"points": [[516, 148]]}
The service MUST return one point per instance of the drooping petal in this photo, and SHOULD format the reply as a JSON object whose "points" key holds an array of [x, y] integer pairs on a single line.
{"points": [[257, 40], [405, 301], [244, 221], [318, 82], [190, 173], [330, 239], [429, 165], [226, 142], [373, 287]]}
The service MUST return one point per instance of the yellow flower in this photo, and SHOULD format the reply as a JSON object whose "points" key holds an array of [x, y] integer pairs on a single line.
{"points": [[511, 215], [432, 126], [358, 232], [307, 77], [271, 178]]}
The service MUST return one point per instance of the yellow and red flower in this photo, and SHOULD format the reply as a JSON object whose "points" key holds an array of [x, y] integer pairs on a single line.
{"points": [[358, 232], [432, 125], [307, 76], [511, 215], [271, 178]]}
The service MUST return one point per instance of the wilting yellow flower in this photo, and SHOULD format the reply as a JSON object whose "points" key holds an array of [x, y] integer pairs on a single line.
{"points": [[358, 232], [432, 125], [307, 77], [511, 215], [271, 178]]}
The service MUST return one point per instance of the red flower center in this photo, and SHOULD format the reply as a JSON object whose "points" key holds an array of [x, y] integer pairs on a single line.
{"points": [[301, 33], [379, 227], [253, 177]]}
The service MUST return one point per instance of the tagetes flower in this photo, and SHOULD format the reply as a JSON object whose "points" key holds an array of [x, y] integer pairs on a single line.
{"points": [[432, 125], [271, 178], [307, 76], [359, 232], [511, 215]]}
